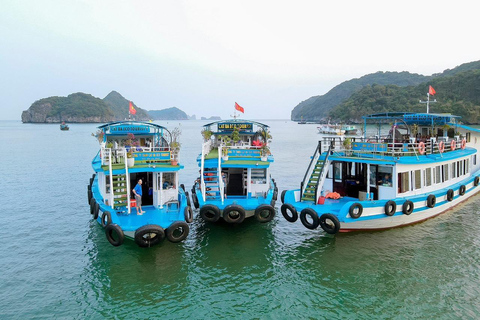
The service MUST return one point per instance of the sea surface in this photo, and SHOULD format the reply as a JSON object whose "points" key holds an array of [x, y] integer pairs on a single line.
{"points": [[57, 264]]}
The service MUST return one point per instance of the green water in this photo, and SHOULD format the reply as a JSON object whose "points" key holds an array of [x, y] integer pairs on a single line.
{"points": [[57, 263]]}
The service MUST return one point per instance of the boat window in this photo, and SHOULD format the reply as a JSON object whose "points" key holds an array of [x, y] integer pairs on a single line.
{"points": [[445, 172], [474, 159], [438, 174], [384, 176], [168, 180], [337, 169], [403, 182], [454, 170], [418, 179], [460, 168], [428, 177], [467, 165], [373, 175], [259, 176], [468, 136]]}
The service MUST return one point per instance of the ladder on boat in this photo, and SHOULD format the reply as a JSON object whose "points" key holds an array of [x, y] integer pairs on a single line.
{"points": [[212, 183], [119, 190], [317, 177]]}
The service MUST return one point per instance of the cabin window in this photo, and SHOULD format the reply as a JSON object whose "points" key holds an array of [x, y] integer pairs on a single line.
{"points": [[373, 175], [259, 176], [468, 165], [454, 170], [465, 166], [460, 168], [445, 172], [403, 182], [438, 174], [428, 177], [468, 136], [337, 169], [418, 179], [168, 180], [385, 176], [474, 159]]}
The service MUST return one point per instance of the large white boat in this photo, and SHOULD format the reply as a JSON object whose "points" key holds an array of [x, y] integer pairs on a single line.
{"points": [[332, 129], [427, 164]]}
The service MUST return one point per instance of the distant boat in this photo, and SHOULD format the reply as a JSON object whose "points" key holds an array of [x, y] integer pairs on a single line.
{"points": [[350, 130], [330, 129], [64, 127]]}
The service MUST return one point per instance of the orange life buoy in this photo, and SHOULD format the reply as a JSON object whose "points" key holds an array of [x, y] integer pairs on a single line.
{"points": [[464, 143], [453, 145], [441, 146], [421, 148]]}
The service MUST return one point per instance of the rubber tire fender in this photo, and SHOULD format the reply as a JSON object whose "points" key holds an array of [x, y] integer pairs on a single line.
{"points": [[210, 213], [450, 194], [96, 211], [106, 215], [352, 213], [407, 207], [195, 200], [232, 208], [188, 214], [282, 196], [390, 208], [431, 201], [143, 236], [91, 179], [177, 225], [92, 205], [188, 199], [262, 208], [327, 227], [182, 186], [110, 229], [476, 181], [289, 218], [89, 194], [462, 189], [314, 216]]}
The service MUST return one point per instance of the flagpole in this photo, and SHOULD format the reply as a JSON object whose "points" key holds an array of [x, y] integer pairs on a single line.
{"points": [[428, 102]]}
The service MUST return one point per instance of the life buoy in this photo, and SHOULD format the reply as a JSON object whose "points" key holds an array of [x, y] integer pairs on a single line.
{"points": [[188, 214], [441, 146], [453, 145], [431, 201], [464, 143], [461, 190], [289, 212], [114, 234], [329, 223], [264, 213], [476, 181], [408, 207], [355, 210], [233, 214], [450, 194], [421, 148], [308, 212], [390, 208], [210, 213], [149, 235], [106, 218], [177, 231], [282, 196]]}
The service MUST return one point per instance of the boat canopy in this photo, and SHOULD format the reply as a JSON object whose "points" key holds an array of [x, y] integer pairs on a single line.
{"points": [[231, 123], [417, 118]]}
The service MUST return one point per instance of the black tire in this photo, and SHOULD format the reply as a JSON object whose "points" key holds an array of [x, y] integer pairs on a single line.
{"points": [[329, 223], [282, 196], [188, 199], [177, 231], [182, 186], [313, 216], [476, 181], [288, 207], [450, 194], [210, 213], [407, 207], [272, 203], [355, 210], [96, 211], [234, 214], [431, 201], [461, 190], [390, 208], [149, 235], [89, 193], [91, 180], [264, 213], [195, 200], [114, 229], [92, 205], [275, 194], [106, 218], [188, 214]]}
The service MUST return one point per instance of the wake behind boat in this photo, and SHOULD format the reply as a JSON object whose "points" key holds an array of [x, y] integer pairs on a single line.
{"points": [[427, 164], [131, 151]]}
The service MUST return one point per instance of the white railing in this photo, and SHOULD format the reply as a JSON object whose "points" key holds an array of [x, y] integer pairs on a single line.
{"points": [[127, 178], [221, 185], [112, 195], [206, 148]]}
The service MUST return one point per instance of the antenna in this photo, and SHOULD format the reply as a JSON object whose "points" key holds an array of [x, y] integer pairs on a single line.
{"points": [[428, 101]]}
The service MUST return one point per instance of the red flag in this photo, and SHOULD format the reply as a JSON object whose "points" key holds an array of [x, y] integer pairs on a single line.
{"points": [[431, 91], [131, 109], [237, 107]]}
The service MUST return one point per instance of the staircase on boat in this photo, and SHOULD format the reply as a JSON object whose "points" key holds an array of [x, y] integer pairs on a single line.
{"points": [[316, 174], [309, 191], [212, 184], [119, 190]]}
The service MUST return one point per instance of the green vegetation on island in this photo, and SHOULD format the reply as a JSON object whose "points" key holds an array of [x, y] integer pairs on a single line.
{"points": [[168, 114]]}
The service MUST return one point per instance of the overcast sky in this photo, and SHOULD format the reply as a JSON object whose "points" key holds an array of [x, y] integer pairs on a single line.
{"points": [[203, 56]]}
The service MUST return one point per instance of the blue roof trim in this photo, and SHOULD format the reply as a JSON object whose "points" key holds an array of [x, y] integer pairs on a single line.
{"points": [[466, 127], [237, 120]]}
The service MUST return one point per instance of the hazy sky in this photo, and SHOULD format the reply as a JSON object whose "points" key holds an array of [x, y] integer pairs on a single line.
{"points": [[202, 56]]}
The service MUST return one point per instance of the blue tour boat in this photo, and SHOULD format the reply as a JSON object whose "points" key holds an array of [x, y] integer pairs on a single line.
{"points": [[129, 151], [427, 164], [234, 178]]}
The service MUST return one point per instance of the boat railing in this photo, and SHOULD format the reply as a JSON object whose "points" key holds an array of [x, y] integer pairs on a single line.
{"points": [[221, 186], [379, 148]]}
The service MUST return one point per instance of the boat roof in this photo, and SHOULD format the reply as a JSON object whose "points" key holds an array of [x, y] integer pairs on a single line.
{"points": [[412, 117], [237, 121], [114, 123]]}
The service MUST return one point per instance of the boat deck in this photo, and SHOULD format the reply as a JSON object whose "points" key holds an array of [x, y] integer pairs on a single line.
{"points": [[162, 217]]}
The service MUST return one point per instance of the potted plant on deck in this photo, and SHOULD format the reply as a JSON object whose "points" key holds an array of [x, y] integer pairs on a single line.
{"points": [[175, 145], [130, 144], [224, 153]]}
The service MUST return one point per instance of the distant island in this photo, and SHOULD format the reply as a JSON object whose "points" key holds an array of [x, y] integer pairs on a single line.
{"points": [[456, 92], [83, 108], [214, 118]]}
